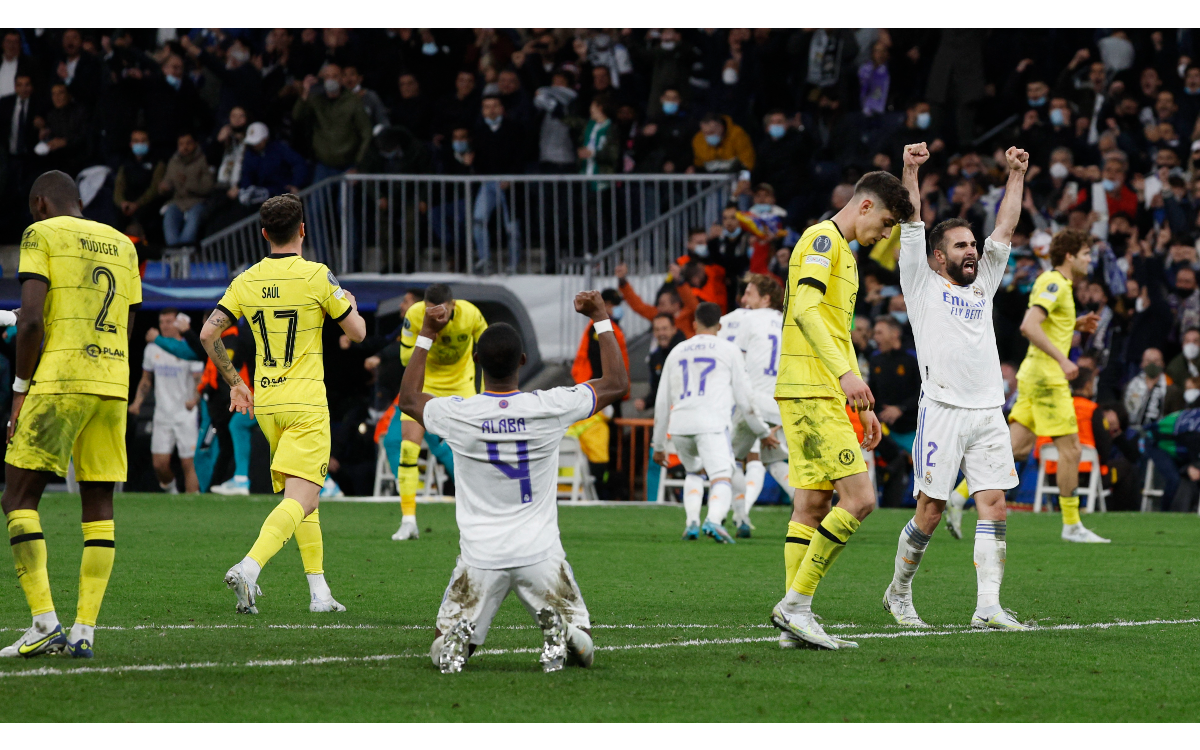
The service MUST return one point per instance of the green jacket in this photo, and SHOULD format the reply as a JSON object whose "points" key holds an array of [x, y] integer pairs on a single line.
{"points": [[341, 128]]}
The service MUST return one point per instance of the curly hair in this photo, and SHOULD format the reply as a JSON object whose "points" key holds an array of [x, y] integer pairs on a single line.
{"points": [[1068, 242], [889, 190], [281, 217], [767, 287]]}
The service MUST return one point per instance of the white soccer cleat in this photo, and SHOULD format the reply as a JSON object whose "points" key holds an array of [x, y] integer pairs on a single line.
{"points": [[788, 640], [1077, 533], [326, 604], [954, 516], [408, 530], [236, 580], [233, 486], [803, 626], [35, 642], [1004, 619], [554, 637], [901, 607], [456, 647]]}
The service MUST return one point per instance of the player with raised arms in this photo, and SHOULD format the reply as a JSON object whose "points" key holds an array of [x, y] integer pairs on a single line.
{"points": [[505, 445]]}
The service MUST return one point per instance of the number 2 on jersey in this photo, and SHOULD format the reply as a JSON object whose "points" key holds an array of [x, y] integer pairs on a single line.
{"points": [[697, 361], [519, 472], [102, 323], [289, 347]]}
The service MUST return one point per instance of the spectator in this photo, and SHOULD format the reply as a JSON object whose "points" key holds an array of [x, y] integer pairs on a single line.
{"points": [[895, 381], [341, 129], [136, 190], [599, 147], [721, 146], [13, 63], [783, 161], [241, 81], [678, 301], [1186, 364], [664, 144], [412, 109], [1151, 396], [1184, 301], [456, 108], [352, 81], [556, 146], [716, 283], [78, 70], [229, 151], [874, 80], [18, 138], [270, 167], [498, 144], [188, 181], [516, 101], [171, 105], [666, 337], [64, 134], [1121, 200]]}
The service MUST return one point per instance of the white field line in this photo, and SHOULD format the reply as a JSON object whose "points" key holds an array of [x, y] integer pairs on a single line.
{"points": [[319, 660], [595, 626]]}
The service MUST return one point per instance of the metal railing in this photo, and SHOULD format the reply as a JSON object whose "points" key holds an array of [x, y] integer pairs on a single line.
{"points": [[532, 224]]}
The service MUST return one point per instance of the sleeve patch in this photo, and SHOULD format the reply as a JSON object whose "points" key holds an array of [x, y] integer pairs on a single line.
{"points": [[1052, 287], [1047, 296], [817, 260], [822, 244], [340, 293], [332, 279]]}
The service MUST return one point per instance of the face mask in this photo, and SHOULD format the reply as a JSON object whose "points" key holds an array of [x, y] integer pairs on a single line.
{"points": [[493, 122], [391, 154], [1191, 351], [776, 131], [617, 313], [1007, 389], [923, 120], [139, 149], [1190, 394], [1108, 185], [670, 108], [1140, 305], [713, 140], [969, 173], [1057, 118], [174, 82], [332, 87], [700, 251], [1191, 92], [429, 48], [1058, 170], [731, 235], [1037, 102], [668, 46], [460, 147], [1152, 371], [729, 76], [901, 316], [239, 55]]}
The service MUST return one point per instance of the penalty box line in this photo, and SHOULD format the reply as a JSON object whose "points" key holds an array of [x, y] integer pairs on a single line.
{"points": [[320, 660]]}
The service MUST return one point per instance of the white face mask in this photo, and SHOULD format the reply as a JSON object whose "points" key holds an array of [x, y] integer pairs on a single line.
{"points": [[1191, 351], [1059, 171], [1190, 394], [729, 76], [1141, 304]]}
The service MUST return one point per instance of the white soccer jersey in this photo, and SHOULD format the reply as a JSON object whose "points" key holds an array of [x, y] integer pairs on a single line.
{"points": [[173, 383], [761, 332], [506, 469], [702, 380], [731, 326], [956, 343]]}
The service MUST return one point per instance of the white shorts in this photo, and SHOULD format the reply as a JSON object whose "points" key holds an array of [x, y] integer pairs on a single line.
{"points": [[745, 441], [710, 452], [168, 436], [950, 438], [475, 594]]}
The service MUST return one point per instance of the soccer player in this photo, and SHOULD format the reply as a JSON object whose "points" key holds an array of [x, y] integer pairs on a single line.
{"points": [[450, 372], [818, 373], [960, 423], [285, 298], [704, 378], [1044, 405], [80, 290], [505, 445], [175, 426], [760, 328]]}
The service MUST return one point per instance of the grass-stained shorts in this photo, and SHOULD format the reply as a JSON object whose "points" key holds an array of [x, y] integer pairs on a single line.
{"points": [[299, 445], [466, 390], [822, 445], [1047, 409], [54, 428]]}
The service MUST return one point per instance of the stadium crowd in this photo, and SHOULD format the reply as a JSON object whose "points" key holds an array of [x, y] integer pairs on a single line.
{"points": [[200, 126]]}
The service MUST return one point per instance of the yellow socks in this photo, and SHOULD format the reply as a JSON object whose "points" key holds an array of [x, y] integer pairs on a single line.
{"points": [[99, 549], [29, 554], [826, 545], [276, 531], [407, 478], [795, 547], [311, 544], [1069, 504]]}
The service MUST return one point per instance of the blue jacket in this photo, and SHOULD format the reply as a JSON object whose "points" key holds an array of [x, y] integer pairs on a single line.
{"points": [[276, 167]]}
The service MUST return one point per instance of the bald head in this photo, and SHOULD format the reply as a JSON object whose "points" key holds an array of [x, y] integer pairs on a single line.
{"points": [[54, 194]]}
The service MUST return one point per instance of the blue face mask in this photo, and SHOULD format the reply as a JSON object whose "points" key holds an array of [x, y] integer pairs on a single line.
{"points": [[174, 82], [670, 108], [139, 149], [1041, 100], [493, 122], [460, 147], [776, 131], [901, 316], [1191, 92], [1108, 185], [429, 48], [713, 140], [618, 312], [1056, 118], [923, 120], [735, 233]]}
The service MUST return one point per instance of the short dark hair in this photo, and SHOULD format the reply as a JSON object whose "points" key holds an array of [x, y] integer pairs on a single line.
{"points": [[664, 316], [281, 217], [438, 294], [712, 117], [938, 235], [888, 320], [708, 314], [1083, 378], [612, 296], [768, 287], [499, 350], [888, 189], [1068, 242], [57, 188]]}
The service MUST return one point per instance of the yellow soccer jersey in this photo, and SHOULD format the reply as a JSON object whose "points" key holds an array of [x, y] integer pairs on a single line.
{"points": [[91, 271], [449, 367], [822, 259], [1053, 293], [285, 299]]}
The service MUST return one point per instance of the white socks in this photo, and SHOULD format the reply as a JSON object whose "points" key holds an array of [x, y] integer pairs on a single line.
{"points": [[794, 602], [251, 569], [84, 632], [779, 472], [720, 495], [989, 564], [693, 498], [755, 472], [909, 552], [46, 621], [740, 513], [408, 519], [317, 587]]}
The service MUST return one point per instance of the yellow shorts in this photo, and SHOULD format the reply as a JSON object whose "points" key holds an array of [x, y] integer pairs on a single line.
{"points": [[822, 445], [466, 390], [299, 445], [1047, 409], [56, 427]]}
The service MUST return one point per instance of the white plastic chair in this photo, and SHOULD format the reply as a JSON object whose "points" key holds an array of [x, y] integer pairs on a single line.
{"points": [[383, 474], [1094, 490], [571, 458], [1148, 490], [665, 481], [385, 479]]}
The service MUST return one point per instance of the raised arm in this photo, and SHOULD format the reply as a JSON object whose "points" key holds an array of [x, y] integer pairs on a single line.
{"points": [[912, 231], [914, 156], [412, 399], [240, 397], [1014, 193], [614, 384]]}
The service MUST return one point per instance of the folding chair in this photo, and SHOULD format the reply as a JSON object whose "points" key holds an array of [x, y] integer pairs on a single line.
{"points": [[1094, 490], [573, 465], [1148, 490]]}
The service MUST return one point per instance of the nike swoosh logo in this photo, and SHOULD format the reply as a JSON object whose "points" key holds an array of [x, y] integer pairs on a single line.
{"points": [[25, 649]]}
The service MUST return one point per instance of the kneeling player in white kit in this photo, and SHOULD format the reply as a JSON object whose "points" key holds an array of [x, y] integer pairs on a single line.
{"points": [[703, 379], [505, 445], [960, 424]]}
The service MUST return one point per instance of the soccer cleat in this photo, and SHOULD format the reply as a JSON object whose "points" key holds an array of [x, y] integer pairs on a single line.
{"points": [[803, 626], [234, 486], [691, 533], [743, 530], [954, 520], [1004, 619], [407, 530], [331, 489], [34, 642], [717, 532], [80, 649], [456, 647], [328, 604], [236, 580], [901, 607], [787, 640], [1077, 533], [554, 638]]}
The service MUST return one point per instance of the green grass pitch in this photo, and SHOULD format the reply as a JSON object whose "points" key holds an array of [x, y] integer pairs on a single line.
{"points": [[697, 646]]}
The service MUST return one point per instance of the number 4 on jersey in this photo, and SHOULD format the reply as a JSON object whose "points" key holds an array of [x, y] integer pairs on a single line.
{"points": [[519, 472]]}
